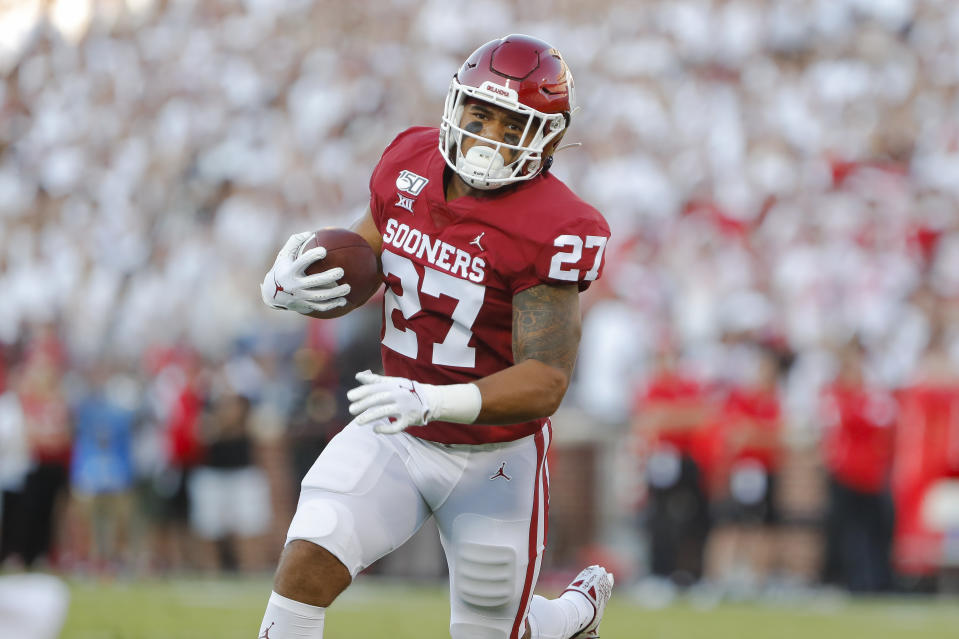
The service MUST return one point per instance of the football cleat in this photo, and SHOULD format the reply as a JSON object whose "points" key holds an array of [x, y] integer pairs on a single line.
{"points": [[596, 585]]}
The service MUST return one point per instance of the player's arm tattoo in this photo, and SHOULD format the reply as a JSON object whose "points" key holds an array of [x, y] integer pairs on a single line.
{"points": [[546, 325]]}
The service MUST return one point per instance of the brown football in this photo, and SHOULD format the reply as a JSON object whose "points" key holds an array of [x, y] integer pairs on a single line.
{"points": [[349, 251]]}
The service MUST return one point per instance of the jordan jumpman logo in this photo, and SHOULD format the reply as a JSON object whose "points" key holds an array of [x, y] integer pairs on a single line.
{"points": [[266, 633], [476, 241], [500, 473]]}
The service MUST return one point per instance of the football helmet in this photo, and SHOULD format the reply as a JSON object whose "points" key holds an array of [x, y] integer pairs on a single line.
{"points": [[524, 75]]}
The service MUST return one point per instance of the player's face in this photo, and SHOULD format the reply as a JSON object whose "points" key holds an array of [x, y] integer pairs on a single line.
{"points": [[495, 123]]}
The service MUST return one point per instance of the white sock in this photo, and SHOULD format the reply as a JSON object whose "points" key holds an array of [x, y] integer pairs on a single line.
{"points": [[288, 619], [558, 618]]}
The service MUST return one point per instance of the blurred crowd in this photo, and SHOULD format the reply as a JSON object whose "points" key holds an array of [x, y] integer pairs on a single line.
{"points": [[782, 182]]}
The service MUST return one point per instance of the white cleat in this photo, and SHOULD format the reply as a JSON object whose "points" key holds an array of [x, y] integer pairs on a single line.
{"points": [[596, 585]]}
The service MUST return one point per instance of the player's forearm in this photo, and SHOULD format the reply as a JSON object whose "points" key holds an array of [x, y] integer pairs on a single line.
{"points": [[528, 390], [546, 330]]}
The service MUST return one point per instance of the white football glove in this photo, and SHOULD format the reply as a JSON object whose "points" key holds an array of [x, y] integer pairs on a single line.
{"points": [[287, 286], [394, 403]]}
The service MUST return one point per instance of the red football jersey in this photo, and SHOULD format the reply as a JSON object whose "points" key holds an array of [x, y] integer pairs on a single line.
{"points": [[452, 269]]}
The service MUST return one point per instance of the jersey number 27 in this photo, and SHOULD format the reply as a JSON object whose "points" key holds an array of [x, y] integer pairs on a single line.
{"points": [[575, 244], [454, 350]]}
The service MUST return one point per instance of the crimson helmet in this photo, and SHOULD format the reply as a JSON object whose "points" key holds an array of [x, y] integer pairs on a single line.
{"points": [[524, 75]]}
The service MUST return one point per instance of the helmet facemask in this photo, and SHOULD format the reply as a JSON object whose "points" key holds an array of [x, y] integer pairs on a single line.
{"points": [[483, 166]]}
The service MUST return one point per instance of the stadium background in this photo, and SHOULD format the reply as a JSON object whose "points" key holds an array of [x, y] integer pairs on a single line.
{"points": [[780, 177]]}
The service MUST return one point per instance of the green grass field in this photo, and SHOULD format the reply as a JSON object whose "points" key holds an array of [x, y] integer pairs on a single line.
{"points": [[208, 609]]}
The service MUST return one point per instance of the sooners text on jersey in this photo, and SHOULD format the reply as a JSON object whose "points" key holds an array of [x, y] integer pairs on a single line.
{"points": [[452, 270]]}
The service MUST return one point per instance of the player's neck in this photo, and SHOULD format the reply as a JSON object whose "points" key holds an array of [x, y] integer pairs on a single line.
{"points": [[456, 187]]}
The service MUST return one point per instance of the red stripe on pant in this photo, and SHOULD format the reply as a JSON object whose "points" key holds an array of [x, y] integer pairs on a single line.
{"points": [[549, 428], [518, 631]]}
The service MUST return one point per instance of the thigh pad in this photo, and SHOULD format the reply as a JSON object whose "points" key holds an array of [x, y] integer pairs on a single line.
{"points": [[485, 574], [488, 561]]}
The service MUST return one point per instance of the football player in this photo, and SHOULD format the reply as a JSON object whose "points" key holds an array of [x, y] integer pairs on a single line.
{"points": [[484, 254]]}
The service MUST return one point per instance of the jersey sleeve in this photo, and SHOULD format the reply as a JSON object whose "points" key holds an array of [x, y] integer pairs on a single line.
{"points": [[571, 252]]}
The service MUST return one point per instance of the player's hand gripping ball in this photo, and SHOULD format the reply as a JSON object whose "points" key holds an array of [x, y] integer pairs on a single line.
{"points": [[323, 274], [348, 251]]}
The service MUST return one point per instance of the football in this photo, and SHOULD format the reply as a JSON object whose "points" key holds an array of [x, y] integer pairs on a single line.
{"points": [[349, 251]]}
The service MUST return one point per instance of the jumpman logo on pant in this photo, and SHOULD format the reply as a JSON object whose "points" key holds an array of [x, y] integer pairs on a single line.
{"points": [[500, 473]]}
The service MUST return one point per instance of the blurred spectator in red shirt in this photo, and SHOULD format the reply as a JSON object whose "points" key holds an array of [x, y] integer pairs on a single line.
{"points": [[670, 412], [47, 427], [177, 395], [858, 420], [744, 443], [926, 467]]}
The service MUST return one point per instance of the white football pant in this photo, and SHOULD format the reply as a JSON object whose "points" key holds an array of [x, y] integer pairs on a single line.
{"points": [[366, 494]]}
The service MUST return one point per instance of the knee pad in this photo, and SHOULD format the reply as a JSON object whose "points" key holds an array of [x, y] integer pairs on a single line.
{"points": [[330, 524]]}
